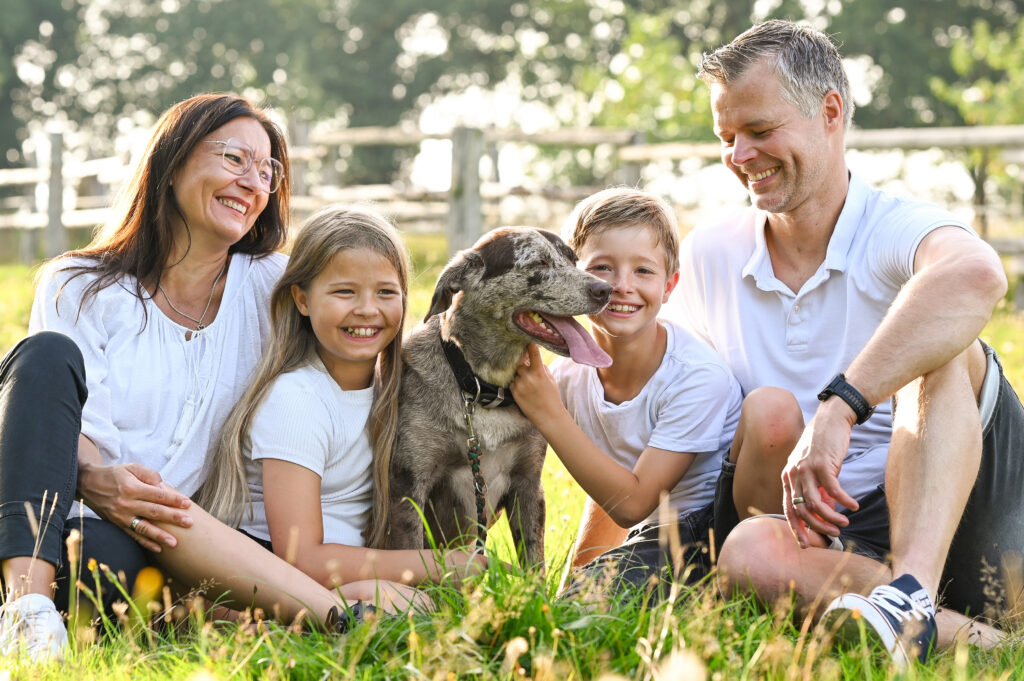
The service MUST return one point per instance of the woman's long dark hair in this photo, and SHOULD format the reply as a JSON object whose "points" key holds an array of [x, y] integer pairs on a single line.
{"points": [[140, 235]]}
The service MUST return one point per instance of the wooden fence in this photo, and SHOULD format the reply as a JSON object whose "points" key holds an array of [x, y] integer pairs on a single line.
{"points": [[462, 211]]}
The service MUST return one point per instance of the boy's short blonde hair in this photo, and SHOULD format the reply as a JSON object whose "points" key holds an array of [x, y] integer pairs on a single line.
{"points": [[620, 207]]}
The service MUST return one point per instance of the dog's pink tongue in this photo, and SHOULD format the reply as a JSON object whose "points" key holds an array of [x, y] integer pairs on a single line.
{"points": [[582, 348]]}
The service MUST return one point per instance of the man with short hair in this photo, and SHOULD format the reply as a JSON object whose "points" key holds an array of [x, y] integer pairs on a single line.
{"points": [[825, 281]]}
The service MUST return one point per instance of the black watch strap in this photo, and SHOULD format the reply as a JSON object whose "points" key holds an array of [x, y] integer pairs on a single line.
{"points": [[847, 393]]}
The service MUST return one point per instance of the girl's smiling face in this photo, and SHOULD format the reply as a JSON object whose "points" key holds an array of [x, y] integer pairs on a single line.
{"points": [[355, 308]]}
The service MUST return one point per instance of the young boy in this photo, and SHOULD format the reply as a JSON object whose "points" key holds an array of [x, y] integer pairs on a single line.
{"points": [[659, 420]]}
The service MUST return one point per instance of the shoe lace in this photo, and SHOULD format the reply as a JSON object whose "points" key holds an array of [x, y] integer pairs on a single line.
{"points": [[30, 629], [901, 605]]}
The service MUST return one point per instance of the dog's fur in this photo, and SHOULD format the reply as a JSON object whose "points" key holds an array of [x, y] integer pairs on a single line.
{"points": [[477, 297]]}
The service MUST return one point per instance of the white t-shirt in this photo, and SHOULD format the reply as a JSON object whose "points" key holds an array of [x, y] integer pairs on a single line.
{"points": [[306, 418], [155, 398], [768, 335], [691, 404]]}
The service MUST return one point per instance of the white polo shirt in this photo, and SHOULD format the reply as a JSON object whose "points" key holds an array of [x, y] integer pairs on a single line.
{"points": [[728, 295]]}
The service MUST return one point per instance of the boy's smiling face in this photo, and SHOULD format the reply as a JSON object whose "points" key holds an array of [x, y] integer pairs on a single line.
{"points": [[631, 259]]}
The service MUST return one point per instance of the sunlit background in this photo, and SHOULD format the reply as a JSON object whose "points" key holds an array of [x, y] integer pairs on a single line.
{"points": [[99, 72]]}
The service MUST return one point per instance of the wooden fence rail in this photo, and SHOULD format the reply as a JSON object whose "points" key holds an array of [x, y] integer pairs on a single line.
{"points": [[465, 206]]}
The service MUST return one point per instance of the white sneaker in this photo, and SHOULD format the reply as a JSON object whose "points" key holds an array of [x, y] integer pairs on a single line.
{"points": [[31, 626], [899, 615]]}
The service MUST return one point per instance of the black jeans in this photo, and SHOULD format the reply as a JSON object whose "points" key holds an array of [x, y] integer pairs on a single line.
{"points": [[42, 393]]}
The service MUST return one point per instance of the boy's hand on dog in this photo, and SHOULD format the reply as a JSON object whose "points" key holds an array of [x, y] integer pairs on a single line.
{"points": [[534, 387]]}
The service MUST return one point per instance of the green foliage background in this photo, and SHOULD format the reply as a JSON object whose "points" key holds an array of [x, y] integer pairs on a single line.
{"points": [[628, 63]]}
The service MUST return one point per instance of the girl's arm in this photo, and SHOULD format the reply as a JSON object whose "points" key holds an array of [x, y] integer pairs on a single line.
{"points": [[628, 496], [291, 495]]}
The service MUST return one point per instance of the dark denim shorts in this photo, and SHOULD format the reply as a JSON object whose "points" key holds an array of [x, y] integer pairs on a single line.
{"points": [[985, 557], [646, 554]]}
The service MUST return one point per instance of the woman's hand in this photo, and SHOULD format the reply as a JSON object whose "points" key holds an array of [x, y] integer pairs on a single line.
{"points": [[120, 494]]}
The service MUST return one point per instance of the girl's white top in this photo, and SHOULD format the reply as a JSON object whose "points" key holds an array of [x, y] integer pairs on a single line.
{"points": [[155, 398], [307, 419]]}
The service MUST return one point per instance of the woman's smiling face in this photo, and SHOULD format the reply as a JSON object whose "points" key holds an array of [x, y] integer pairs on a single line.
{"points": [[217, 205]]}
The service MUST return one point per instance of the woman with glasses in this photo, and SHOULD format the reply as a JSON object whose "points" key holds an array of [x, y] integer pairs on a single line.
{"points": [[140, 344]]}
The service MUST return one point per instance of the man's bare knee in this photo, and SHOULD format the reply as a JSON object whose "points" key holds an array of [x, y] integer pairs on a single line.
{"points": [[757, 558]]}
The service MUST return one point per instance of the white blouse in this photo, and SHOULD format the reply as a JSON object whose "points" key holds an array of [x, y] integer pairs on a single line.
{"points": [[154, 398]]}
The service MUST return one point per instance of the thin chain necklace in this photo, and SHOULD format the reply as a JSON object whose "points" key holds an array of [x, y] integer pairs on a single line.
{"points": [[198, 322]]}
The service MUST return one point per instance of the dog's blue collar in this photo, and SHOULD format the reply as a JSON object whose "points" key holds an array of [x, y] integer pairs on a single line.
{"points": [[476, 389]]}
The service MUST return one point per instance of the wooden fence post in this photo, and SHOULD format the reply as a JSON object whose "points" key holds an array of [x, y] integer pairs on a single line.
{"points": [[28, 238], [56, 241], [299, 133], [632, 171], [465, 206]]}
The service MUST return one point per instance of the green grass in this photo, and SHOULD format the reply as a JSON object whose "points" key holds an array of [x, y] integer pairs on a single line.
{"points": [[507, 624]]}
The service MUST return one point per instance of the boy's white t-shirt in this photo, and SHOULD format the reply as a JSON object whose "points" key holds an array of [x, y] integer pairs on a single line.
{"points": [[691, 404], [306, 418]]}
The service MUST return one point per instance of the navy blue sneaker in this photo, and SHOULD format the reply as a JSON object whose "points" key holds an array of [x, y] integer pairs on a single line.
{"points": [[900, 615]]}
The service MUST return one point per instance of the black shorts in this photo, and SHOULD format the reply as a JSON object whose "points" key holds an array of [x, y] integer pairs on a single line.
{"points": [[646, 554], [265, 543], [987, 552], [867, 533], [991, 531], [989, 541]]}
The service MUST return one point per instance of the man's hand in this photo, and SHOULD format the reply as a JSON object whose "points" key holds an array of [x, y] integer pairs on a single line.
{"points": [[119, 494], [812, 473]]}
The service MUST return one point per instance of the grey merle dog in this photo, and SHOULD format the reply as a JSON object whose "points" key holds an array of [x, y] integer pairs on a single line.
{"points": [[464, 451]]}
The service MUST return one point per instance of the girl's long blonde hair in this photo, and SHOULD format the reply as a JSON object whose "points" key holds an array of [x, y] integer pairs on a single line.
{"points": [[225, 494]]}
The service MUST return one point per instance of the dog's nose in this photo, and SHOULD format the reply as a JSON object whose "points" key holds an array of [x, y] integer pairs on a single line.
{"points": [[599, 292]]}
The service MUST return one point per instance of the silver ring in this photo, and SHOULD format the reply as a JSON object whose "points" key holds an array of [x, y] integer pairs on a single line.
{"points": [[134, 524], [798, 500]]}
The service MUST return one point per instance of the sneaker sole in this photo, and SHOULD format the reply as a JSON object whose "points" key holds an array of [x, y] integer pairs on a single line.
{"points": [[850, 615]]}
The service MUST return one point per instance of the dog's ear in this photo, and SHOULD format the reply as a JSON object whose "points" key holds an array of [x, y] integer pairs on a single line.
{"points": [[453, 279]]}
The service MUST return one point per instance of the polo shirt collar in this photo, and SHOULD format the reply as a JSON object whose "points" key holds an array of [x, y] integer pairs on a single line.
{"points": [[837, 255], [759, 265]]}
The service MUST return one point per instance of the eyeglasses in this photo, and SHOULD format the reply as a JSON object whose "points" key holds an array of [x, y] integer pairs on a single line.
{"points": [[238, 158]]}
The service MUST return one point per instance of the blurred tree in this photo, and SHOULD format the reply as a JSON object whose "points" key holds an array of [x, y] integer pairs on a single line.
{"points": [[989, 64], [901, 47], [364, 62], [632, 64], [36, 36], [620, 63]]}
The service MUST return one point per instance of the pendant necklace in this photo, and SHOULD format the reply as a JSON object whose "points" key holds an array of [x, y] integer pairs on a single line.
{"points": [[198, 322]]}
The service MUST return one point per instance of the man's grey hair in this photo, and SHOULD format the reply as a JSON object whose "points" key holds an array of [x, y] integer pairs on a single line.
{"points": [[806, 61]]}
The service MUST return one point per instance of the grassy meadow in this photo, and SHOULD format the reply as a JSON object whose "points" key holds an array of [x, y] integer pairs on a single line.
{"points": [[507, 624]]}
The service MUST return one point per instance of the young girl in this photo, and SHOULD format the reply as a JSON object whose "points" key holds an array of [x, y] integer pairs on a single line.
{"points": [[304, 458]]}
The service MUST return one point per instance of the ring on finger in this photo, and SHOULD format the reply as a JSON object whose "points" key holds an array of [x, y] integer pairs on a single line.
{"points": [[798, 500], [134, 524]]}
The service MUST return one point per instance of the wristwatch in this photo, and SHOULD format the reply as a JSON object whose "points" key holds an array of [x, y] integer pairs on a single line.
{"points": [[847, 393]]}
